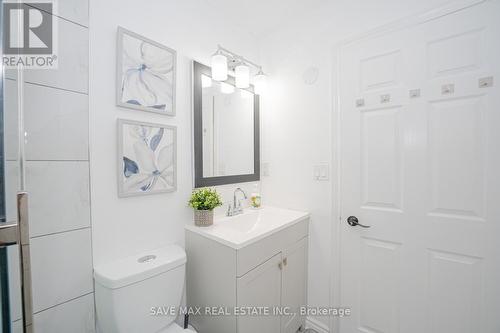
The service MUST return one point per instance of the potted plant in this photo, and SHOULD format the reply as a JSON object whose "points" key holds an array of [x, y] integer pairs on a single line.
{"points": [[203, 201]]}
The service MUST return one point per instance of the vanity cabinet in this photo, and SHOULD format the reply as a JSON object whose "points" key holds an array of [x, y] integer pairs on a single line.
{"points": [[269, 274]]}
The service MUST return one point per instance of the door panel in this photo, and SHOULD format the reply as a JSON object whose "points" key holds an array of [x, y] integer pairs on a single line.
{"points": [[423, 170], [381, 159], [378, 285], [456, 157], [261, 287], [294, 285], [460, 295]]}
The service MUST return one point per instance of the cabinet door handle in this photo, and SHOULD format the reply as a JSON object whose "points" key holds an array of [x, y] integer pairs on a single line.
{"points": [[280, 265], [285, 261]]}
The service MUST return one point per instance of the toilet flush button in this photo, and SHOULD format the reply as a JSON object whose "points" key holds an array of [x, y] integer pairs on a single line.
{"points": [[147, 258]]}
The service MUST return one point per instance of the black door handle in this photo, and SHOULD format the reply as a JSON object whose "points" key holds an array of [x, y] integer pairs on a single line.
{"points": [[353, 222]]}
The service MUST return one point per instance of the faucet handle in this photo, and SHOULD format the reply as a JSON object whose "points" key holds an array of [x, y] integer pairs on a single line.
{"points": [[229, 210]]}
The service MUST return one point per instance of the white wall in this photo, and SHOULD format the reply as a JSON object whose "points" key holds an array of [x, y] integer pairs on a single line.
{"points": [[126, 226], [297, 117]]}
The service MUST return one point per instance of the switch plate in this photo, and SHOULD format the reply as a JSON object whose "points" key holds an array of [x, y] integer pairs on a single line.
{"points": [[321, 172]]}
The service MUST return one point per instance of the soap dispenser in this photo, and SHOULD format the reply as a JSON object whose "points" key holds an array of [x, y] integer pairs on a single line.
{"points": [[255, 199]]}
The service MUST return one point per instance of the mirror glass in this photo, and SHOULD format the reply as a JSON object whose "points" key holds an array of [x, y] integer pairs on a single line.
{"points": [[228, 129], [225, 130]]}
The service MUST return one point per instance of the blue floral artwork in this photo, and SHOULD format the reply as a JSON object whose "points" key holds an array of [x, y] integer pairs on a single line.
{"points": [[147, 158], [146, 74]]}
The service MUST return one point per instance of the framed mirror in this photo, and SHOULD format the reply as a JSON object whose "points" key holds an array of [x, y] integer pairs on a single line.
{"points": [[226, 131]]}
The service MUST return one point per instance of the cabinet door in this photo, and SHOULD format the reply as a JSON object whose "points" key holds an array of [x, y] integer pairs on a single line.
{"points": [[261, 287], [294, 285]]}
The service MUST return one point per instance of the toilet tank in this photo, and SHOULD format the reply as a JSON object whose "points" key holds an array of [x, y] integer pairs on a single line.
{"points": [[134, 294]]}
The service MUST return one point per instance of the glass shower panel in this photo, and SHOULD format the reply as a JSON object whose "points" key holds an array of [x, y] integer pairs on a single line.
{"points": [[10, 179], [10, 185], [46, 111]]}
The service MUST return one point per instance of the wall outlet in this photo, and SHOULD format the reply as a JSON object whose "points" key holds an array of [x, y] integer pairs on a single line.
{"points": [[321, 172]]}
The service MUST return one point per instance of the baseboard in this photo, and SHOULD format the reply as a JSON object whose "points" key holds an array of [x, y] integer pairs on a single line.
{"points": [[317, 325]]}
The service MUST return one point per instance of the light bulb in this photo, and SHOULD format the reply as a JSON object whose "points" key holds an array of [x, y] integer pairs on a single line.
{"points": [[242, 73], [226, 88], [260, 82], [219, 67]]}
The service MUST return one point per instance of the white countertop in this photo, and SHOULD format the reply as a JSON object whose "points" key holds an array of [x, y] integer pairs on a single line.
{"points": [[254, 224]]}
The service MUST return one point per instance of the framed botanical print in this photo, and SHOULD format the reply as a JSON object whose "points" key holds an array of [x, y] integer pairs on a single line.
{"points": [[145, 74], [147, 158]]}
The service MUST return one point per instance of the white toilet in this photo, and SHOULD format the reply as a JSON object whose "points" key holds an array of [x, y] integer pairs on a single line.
{"points": [[130, 293]]}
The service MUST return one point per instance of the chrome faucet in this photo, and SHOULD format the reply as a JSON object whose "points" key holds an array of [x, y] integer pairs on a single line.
{"points": [[236, 208]]}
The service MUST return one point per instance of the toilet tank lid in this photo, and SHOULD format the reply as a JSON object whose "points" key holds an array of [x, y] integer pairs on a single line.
{"points": [[139, 267]]}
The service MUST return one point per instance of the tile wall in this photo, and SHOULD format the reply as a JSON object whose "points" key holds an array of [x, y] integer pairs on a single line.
{"points": [[57, 179]]}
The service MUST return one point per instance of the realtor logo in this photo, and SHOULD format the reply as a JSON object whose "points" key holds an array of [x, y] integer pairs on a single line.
{"points": [[29, 34]]}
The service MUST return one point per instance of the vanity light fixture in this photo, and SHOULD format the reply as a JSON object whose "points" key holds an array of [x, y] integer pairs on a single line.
{"points": [[219, 66], [224, 61]]}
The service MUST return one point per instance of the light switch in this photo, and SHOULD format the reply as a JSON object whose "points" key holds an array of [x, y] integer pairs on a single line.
{"points": [[321, 172], [316, 172]]}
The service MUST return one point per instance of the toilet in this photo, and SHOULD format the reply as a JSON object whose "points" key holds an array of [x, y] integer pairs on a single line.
{"points": [[136, 294]]}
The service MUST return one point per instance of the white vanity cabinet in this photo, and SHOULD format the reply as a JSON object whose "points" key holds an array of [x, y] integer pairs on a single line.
{"points": [[268, 274]]}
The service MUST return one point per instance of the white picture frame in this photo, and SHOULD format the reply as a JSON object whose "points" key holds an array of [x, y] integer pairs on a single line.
{"points": [[145, 74], [147, 158]]}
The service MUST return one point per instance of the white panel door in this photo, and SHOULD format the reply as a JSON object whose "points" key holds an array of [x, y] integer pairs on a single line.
{"points": [[420, 164]]}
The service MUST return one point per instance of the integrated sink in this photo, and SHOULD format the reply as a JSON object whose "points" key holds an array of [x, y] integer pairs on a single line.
{"points": [[244, 223], [241, 230]]}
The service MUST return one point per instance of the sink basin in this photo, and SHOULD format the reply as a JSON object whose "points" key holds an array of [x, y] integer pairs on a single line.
{"points": [[241, 230], [244, 223]]}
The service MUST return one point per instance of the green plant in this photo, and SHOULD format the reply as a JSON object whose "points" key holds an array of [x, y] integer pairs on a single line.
{"points": [[205, 199]]}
